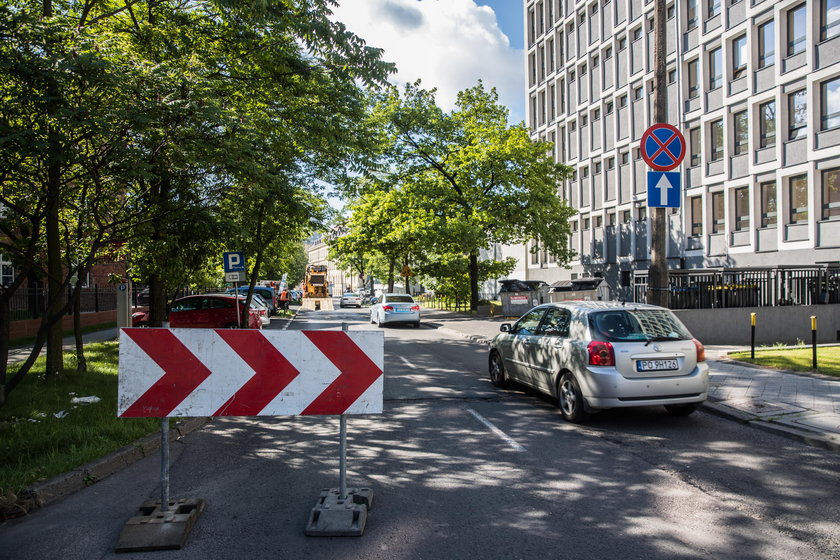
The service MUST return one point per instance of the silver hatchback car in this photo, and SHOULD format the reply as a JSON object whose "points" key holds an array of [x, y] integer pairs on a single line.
{"points": [[597, 355]]}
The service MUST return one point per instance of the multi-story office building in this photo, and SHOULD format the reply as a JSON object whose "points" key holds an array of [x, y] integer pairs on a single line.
{"points": [[753, 85]]}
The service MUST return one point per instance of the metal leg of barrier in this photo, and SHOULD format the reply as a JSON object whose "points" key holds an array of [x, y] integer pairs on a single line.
{"points": [[342, 460], [164, 465], [164, 524], [339, 512]]}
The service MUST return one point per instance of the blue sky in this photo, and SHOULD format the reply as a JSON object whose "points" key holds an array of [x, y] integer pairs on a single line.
{"points": [[509, 15], [448, 44]]}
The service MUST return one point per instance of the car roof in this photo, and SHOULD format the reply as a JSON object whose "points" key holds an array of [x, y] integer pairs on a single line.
{"points": [[589, 305]]}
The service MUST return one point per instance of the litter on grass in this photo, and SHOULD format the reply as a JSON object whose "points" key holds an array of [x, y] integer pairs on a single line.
{"points": [[85, 400]]}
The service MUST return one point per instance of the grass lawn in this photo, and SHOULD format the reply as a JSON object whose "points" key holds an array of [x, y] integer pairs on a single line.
{"points": [[42, 433], [795, 359]]}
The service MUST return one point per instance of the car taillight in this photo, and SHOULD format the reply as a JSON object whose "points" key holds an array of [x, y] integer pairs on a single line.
{"points": [[415, 308], [601, 354], [388, 308], [701, 351]]}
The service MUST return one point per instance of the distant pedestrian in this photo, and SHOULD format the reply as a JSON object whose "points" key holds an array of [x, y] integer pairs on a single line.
{"points": [[284, 300]]}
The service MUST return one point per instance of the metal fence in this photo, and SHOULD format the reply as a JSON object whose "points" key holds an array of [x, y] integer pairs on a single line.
{"points": [[31, 303], [441, 301], [746, 287]]}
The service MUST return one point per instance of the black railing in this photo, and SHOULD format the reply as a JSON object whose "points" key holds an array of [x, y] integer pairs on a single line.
{"points": [[31, 303], [747, 287]]}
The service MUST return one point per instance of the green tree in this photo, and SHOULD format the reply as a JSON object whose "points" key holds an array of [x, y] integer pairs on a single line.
{"points": [[136, 122], [473, 178]]}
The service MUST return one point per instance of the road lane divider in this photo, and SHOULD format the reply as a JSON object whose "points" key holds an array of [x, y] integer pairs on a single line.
{"points": [[515, 445]]}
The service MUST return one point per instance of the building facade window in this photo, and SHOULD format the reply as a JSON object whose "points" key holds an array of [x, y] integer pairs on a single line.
{"points": [[798, 198], [7, 271], [714, 8], [739, 57], [695, 203], [829, 19], [741, 209], [716, 140], [691, 13], [831, 194], [797, 114], [693, 71], [797, 29], [767, 124], [741, 130], [715, 69], [718, 221], [767, 44], [694, 140], [830, 104], [768, 203]]}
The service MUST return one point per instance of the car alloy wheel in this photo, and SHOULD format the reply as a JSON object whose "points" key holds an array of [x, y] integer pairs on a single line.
{"points": [[570, 399], [498, 377]]}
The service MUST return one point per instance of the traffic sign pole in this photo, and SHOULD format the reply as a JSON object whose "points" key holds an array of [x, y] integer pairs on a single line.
{"points": [[657, 292]]}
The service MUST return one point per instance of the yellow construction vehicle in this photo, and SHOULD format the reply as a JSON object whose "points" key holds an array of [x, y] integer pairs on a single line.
{"points": [[315, 282], [315, 294]]}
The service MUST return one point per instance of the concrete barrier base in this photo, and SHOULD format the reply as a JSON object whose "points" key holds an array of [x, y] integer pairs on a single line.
{"points": [[334, 517], [317, 304], [154, 529]]}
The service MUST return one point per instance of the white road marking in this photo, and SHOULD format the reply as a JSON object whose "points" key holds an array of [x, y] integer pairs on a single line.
{"points": [[507, 439], [406, 362]]}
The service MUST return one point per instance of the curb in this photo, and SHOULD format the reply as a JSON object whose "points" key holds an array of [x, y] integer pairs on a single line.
{"points": [[59, 486], [812, 438]]}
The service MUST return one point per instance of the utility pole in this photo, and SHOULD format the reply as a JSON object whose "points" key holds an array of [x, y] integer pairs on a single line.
{"points": [[657, 291]]}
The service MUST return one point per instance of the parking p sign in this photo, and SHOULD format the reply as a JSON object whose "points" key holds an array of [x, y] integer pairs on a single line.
{"points": [[234, 261]]}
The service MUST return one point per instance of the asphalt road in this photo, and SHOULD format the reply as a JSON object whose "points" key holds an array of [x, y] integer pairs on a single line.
{"points": [[460, 469]]}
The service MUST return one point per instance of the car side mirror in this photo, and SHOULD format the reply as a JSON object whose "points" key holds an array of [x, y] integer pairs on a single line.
{"points": [[506, 327]]}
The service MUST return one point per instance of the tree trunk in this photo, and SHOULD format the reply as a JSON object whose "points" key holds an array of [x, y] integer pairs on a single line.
{"points": [[55, 273], [473, 281], [157, 301], [391, 267], [81, 362], [5, 332]]}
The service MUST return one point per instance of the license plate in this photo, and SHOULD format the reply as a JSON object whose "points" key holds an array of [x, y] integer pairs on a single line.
{"points": [[399, 310], [656, 365]]}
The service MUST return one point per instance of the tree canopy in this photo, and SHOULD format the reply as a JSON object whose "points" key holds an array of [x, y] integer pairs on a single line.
{"points": [[173, 130], [452, 184]]}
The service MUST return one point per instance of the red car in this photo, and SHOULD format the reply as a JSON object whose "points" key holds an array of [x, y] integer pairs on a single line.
{"points": [[214, 311]]}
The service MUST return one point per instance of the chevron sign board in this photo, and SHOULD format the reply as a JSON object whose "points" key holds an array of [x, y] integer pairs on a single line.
{"points": [[243, 372]]}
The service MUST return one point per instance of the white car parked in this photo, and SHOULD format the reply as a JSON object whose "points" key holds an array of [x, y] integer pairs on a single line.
{"points": [[596, 355], [395, 308]]}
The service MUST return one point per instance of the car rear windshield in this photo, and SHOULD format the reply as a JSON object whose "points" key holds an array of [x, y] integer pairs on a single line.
{"points": [[351, 295], [399, 299], [633, 325]]}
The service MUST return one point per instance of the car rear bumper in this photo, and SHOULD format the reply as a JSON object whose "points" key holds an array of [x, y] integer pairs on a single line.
{"points": [[412, 317], [606, 388]]}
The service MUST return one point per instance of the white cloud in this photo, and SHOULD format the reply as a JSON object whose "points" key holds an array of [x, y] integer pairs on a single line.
{"points": [[448, 44]]}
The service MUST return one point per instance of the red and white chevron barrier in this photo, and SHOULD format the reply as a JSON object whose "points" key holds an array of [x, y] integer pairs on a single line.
{"points": [[233, 372]]}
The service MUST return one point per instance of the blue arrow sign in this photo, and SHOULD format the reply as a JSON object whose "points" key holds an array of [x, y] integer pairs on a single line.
{"points": [[663, 189], [234, 261]]}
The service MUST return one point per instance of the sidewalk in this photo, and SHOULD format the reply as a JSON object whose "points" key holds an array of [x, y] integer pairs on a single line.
{"points": [[802, 406]]}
